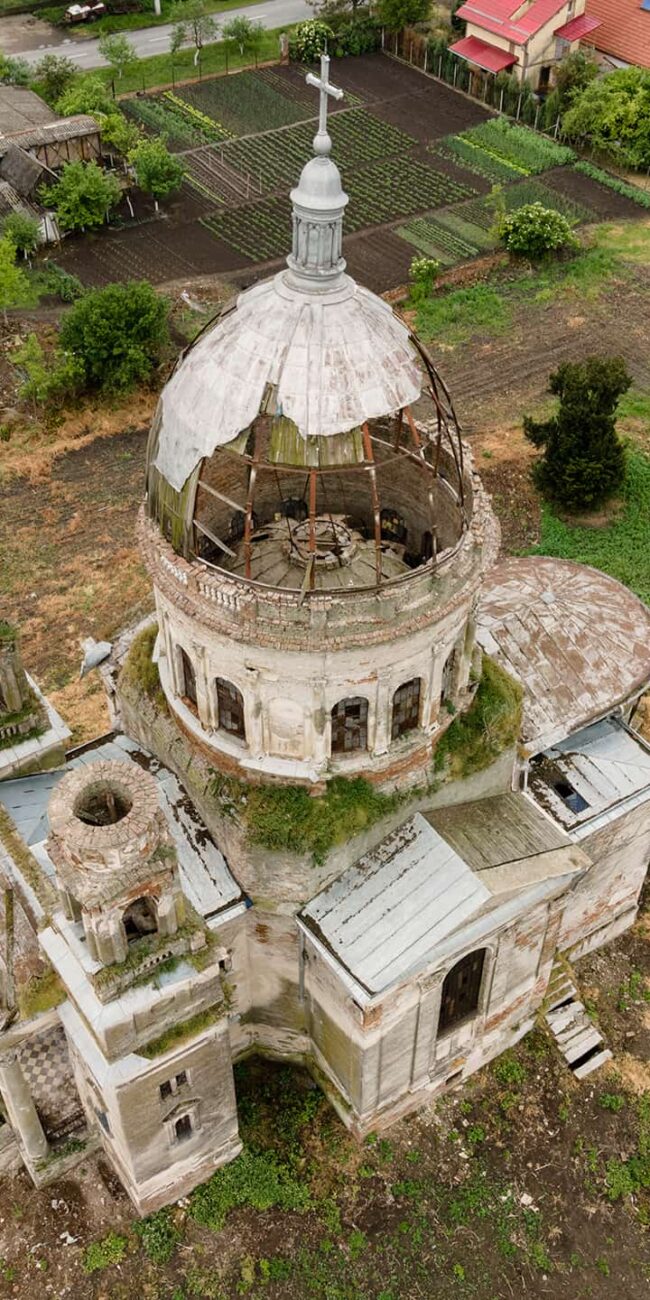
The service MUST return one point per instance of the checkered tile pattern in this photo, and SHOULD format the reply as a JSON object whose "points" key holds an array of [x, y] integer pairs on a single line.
{"points": [[47, 1069]]}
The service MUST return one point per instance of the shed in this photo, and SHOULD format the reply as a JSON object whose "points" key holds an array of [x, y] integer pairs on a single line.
{"points": [[20, 169]]}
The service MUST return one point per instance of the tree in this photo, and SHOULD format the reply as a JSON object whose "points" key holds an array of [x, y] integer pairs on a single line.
{"points": [[22, 231], [119, 134], [117, 334], [157, 172], [309, 40], [535, 231], [83, 196], [194, 23], [14, 72], [15, 289], [584, 460], [397, 14], [87, 96], [612, 114], [118, 51], [55, 73], [243, 33]]}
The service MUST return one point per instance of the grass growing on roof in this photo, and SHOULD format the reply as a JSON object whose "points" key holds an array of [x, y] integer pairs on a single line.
{"points": [[489, 726], [620, 549], [289, 819], [140, 670], [40, 993], [181, 1033]]}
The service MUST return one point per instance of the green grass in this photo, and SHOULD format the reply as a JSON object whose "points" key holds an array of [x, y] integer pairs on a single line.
{"points": [[489, 726], [518, 146], [180, 1033], [455, 317], [621, 549], [258, 1179], [101, 1254]]}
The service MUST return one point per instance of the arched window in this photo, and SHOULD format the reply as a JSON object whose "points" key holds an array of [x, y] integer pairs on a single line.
{"points": [[350, 725], [406, 708], [140, 919], [230, 707], [393, 528], [188, 684], [448, 677], [461, 990]]}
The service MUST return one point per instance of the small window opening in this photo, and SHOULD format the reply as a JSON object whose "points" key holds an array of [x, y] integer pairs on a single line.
{"points": [[183, 1128], [230, 705], [189, 679], [166, 1090], [171, 1086], [140, 919], [406, 708], [570, 796], [103, 1121], [461, 989], [350, 725]]}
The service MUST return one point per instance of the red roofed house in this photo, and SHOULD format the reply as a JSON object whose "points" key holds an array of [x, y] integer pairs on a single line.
{"points": [[624, 32], [526, 37]]}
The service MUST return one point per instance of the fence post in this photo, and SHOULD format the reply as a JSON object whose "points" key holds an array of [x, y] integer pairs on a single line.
{"points": [[537, 116], [426, 57], [382, 37], [455, 71], [143, 81], [440, 67], [503, 91], [557, 128], [519, 104]]}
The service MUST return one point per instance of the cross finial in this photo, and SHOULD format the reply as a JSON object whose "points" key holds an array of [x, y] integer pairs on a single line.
{"points": [[322, 141]]}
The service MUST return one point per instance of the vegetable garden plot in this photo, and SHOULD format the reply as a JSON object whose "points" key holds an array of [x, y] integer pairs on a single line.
{"points": [[290, 82], [276, 159], [261, 231], [524, 149], [159, 118], [482, 213], [436, 240], [456, 149], [244, 103], [398, 187]]}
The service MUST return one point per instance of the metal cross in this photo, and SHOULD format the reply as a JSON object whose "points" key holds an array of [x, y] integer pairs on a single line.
{"points": [[322, 142]]}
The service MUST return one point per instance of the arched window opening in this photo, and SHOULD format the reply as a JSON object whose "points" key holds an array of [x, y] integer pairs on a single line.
{"points": [[461, 990], [350, 725], [230, 706], [406, 708], [448, 677], [140, 919], [188, 684], [427, 546], [295, 508], [183, 1128]]}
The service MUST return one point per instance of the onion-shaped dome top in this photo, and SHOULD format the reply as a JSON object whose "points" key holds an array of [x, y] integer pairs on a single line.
{"points": [[332, 359]]}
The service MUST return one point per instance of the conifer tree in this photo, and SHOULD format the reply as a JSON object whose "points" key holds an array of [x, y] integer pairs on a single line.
{"points": [[583, 461]]}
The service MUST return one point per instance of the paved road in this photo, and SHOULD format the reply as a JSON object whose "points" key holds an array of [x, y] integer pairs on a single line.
{"points": [[155, 40]]}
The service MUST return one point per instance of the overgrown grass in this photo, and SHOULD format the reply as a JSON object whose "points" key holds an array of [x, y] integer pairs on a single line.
{"points": [[180, 1033], [455, 317], [620, 549], [289, 819], [492, 722], [101, 1254], [257, 1179], [139, 669], [40, 993], [159, 1234]]}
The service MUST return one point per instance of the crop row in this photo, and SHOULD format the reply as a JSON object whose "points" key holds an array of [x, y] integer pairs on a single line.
{"points": [[481, 211], [398, 187], [211, 130], [517, 145], [164, 120], [277, 159], [475, 159], [245, 103], [261, 231], [437, 241]]}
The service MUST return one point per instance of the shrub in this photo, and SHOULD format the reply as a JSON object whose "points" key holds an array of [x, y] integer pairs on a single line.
{"points": [[584, 461], [612, 114], [15, 289], [422, 274], [157, 172], [309, 40], [47, 379], [101, 1254], [535, 231], [14, 72], [54, 280], [22, 231], [120, 135], [83, 196], [117, 333], [88, 96], [55, 73], [396, 14], [359, 37], [159, 1235], [489, 726]]}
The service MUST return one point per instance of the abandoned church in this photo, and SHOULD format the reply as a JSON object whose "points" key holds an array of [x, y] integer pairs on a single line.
{"points": [[369, 790]]}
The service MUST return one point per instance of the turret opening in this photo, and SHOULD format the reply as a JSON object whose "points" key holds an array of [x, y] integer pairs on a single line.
{"points": [[102, 804]]}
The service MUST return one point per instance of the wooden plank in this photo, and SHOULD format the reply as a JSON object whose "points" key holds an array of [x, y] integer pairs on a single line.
{"points": [[213, 538]]}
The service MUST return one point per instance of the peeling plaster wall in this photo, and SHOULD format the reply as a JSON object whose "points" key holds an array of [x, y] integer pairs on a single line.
{"points": [[610, 890]]}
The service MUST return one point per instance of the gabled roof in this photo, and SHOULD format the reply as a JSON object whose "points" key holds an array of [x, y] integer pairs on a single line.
{"points": [[503, 17], [21, 109], [624, 30], [63, 128]]}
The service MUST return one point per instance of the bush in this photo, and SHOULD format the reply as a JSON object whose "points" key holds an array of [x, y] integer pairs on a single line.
{"points": [[255, 1179], [22, 231], [535, 231], [157, 172], [396, 14], [83, 196], [87, 96], [117, 333], [422, 274], [309, 40], [55, 281], [584, 460], [14, 72], [55, 73], [359, 37], [15, 289], [613, 114], [159, 1235], [52, 380], [120, 135]]}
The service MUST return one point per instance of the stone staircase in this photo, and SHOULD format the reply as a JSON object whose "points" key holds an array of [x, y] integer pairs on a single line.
{"points": [[578, 1039]]}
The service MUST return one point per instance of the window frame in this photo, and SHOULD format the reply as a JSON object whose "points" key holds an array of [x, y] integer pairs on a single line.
{"points": [[340, 729], [449, 1023], [237, 704], [416, 712]]}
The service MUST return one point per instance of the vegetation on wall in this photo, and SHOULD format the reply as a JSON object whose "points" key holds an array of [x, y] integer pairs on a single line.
{"points": [[40, 993], [139, 669], [489, 726], [181, 1032]]}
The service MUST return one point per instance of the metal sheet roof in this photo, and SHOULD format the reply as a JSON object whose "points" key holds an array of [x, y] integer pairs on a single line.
{"points": [[577, 640], [384, 916], [483, 54], [598, 771], [491, 832], [499, 17], [205, 876], [334, 358], [577, 28]]}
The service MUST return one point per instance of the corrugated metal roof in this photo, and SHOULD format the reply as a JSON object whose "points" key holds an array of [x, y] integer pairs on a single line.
{"points": [[205, 876], [336, 358], [597, 771], [383, 917], [64, 128], [482, 54], [577, 640]]}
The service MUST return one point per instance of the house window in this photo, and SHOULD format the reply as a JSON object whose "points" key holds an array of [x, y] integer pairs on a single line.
{"points": [[230, 707], [188, 686], [461, 989], [139, 919], [406, 708], [183, 1128], [171, 1086], [349, 725]]}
